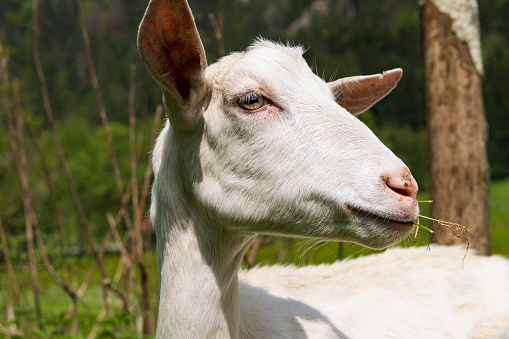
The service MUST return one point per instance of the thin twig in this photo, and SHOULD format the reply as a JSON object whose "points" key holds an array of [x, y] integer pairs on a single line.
{"points": [[148, 173], [29, 231], [148, 176], [100, 317], [90, 275], [5, 247], [145, 299], [137, 208], [57, 217], [51, 119], [21, 167], [8, 264], [124, 254], [99, 98], [254, 251], [100, 253], [133, 164], [148, 170], [11, 318], [29, 202], [140, 137], [217, 24]]}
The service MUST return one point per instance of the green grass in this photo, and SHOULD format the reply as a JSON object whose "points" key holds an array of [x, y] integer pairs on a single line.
{"points": [[499, 194], [55, 302]]}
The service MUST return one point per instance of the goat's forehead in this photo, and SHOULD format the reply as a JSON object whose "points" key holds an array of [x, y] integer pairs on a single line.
{"points": [[261, 58], [268, 50]]}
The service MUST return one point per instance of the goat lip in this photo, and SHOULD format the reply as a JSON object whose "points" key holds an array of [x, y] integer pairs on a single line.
{"points": [[398, 225], [386, 221]]}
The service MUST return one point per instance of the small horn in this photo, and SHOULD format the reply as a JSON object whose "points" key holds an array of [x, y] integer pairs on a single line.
{"points": [[358, 93]]}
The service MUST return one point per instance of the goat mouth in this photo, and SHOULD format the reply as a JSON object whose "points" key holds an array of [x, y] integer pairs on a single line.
{"points": [[394, 224]]}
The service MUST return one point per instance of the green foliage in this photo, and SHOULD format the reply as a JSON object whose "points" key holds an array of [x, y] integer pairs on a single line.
{"points": [[495, 45], [90, 163]]}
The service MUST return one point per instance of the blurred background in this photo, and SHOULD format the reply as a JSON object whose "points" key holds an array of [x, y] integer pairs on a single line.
{"points": [[79, 112]]}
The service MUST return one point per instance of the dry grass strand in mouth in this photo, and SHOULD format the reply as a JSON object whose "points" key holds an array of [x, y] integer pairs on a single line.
{"points": [[457, 229]]}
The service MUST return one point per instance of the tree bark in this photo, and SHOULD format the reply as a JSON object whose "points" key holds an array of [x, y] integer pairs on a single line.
{"points": [[456, 120]]}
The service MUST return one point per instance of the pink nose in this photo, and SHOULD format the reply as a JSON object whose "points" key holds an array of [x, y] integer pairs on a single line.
{"points": [[402, 184]]}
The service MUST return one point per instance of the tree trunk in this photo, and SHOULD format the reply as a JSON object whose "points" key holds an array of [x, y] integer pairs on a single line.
{"points": [[456, 120]]}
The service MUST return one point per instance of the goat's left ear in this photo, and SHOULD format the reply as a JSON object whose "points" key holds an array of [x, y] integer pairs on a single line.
{"points": [[171, 48], [358, 93]]}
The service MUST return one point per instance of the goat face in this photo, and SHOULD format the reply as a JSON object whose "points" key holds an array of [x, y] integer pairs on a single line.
{"points": [[260, 144], [274, 153]]}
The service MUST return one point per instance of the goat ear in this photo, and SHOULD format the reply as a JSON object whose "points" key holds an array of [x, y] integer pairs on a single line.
{"points": [[358, 93], [172, 51]]}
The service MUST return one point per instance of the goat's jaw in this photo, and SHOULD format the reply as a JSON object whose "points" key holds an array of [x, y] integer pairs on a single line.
{"points": [[391, 229]]}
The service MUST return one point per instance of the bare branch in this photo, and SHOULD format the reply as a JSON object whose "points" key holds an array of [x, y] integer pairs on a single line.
{"points": [[100, 317], [254, 251], [57, 217], [100, 101], [3, 238], [23, 172], [20, 161], [49, 114], [136, 239], [148, 171], [8, 264], [217, 24]]}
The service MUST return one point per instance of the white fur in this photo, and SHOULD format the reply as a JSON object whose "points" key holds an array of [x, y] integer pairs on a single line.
{"points": [[402, 293], [303, 166]]}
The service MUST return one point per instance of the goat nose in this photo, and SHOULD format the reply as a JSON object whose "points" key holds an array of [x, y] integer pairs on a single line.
{"points": [[402, 184]]}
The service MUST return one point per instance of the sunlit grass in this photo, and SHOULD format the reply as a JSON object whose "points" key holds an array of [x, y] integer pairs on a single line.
{"points": [[499, 194], [55, 302]]}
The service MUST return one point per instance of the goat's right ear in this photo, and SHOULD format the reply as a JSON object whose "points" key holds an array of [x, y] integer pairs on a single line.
{"points": [[171, 48], [358, 93]]}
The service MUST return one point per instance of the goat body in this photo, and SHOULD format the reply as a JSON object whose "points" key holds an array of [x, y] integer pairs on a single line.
{"points": [[401, 293], [257, 143]]}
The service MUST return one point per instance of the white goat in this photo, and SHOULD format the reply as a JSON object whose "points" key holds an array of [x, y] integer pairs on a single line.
{"points": [[256, 143]]}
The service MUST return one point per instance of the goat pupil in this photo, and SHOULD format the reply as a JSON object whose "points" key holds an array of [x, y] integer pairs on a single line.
{"points": [[253, 100]]}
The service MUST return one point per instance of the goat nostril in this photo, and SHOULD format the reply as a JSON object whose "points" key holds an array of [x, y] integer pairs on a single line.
{"points": [[401, 191], [405, 186]]}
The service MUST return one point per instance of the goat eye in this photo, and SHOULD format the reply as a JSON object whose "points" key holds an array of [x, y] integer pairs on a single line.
{"points": [[252, 101]]}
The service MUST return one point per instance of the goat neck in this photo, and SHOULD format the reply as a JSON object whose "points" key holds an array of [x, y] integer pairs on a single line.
{"points": [[198, 260]]}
